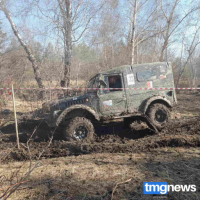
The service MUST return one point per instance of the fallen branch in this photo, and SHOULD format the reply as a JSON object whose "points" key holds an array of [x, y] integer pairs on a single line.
{"points": [[36, 184], [119, 184], [13, 185]]}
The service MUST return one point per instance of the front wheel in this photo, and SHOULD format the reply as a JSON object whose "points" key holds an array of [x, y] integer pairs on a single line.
{"points": [[79, 129], [159, 115]]}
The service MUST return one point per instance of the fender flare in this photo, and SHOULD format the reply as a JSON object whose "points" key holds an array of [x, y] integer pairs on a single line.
{"points": [[75, 107], [155, 99]]}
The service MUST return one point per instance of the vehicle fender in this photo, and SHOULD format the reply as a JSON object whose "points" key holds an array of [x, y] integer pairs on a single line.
{"points": [[156, 99], [76, 107]]}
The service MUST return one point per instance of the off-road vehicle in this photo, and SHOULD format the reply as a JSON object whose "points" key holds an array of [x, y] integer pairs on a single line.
{"points": [[122, 92]]}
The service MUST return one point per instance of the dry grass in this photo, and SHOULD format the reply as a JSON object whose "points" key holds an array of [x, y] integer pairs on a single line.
{"points": [[95, 175], [73, 83]]}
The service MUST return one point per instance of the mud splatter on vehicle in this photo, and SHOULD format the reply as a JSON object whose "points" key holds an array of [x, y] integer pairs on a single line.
{"points": [[112, 100]]}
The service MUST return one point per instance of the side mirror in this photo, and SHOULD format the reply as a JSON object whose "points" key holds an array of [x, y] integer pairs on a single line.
{"points": [[103, 83]]}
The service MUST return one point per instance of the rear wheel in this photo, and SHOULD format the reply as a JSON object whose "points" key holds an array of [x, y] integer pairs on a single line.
{"points": [[159, 115], [79, 129]]}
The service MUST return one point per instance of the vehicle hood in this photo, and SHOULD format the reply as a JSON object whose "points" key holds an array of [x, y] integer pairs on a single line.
{"points": [[67, 102]]}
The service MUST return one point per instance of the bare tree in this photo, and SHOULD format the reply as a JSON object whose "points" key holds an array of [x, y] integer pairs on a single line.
{"points": [[170, 23], [195, 42], [2, 37], [24, 45], [66, 13], [69, 20], [133, 32], [141, 32], [169, 20]]}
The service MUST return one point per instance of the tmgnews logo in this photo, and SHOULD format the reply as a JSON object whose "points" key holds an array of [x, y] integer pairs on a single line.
{"points": [[164, 188]]}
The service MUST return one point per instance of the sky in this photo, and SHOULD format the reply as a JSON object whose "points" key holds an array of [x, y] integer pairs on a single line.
{"points": [[29, 22]]}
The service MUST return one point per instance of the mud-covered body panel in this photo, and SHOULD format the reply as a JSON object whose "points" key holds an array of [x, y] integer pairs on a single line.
{"points": [[58, 109], [103, 104]]}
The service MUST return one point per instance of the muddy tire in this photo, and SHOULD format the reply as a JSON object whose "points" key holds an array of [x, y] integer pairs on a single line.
{"points": [[159, 115], [79, 129]]}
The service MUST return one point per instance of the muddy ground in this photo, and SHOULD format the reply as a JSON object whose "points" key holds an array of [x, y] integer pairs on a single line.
{"points": [[111, 139]]}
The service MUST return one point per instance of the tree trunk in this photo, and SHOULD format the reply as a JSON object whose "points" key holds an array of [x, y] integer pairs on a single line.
{"points": [[164, 47], [66, 11], [133, 34], [28, 51], [169, 21]]}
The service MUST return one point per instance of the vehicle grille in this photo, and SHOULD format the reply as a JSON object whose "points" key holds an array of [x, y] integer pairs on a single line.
{"points": [[75, 102]]}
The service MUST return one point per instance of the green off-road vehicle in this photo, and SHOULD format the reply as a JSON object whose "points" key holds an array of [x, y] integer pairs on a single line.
{"points": [[123, 92]]}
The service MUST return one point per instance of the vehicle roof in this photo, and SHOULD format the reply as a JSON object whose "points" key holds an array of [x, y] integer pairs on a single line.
{"points": [[120, 69]]}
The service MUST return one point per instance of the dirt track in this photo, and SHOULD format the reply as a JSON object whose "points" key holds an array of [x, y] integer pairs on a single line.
{"points": [[91, 170], [110, 138]]}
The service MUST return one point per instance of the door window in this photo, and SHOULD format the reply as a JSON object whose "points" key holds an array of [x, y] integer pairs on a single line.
{"points": [[114, 82], [146, 75]]}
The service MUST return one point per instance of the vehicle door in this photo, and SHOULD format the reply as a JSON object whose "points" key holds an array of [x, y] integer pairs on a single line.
{"points": [[113, 101]]}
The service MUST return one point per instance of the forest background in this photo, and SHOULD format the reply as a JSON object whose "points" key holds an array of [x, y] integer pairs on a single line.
{"points": [[64, 42]]}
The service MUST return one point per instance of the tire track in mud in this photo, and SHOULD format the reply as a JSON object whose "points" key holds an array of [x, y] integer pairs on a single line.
{"points": [[179, 133], [185, 133]]}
